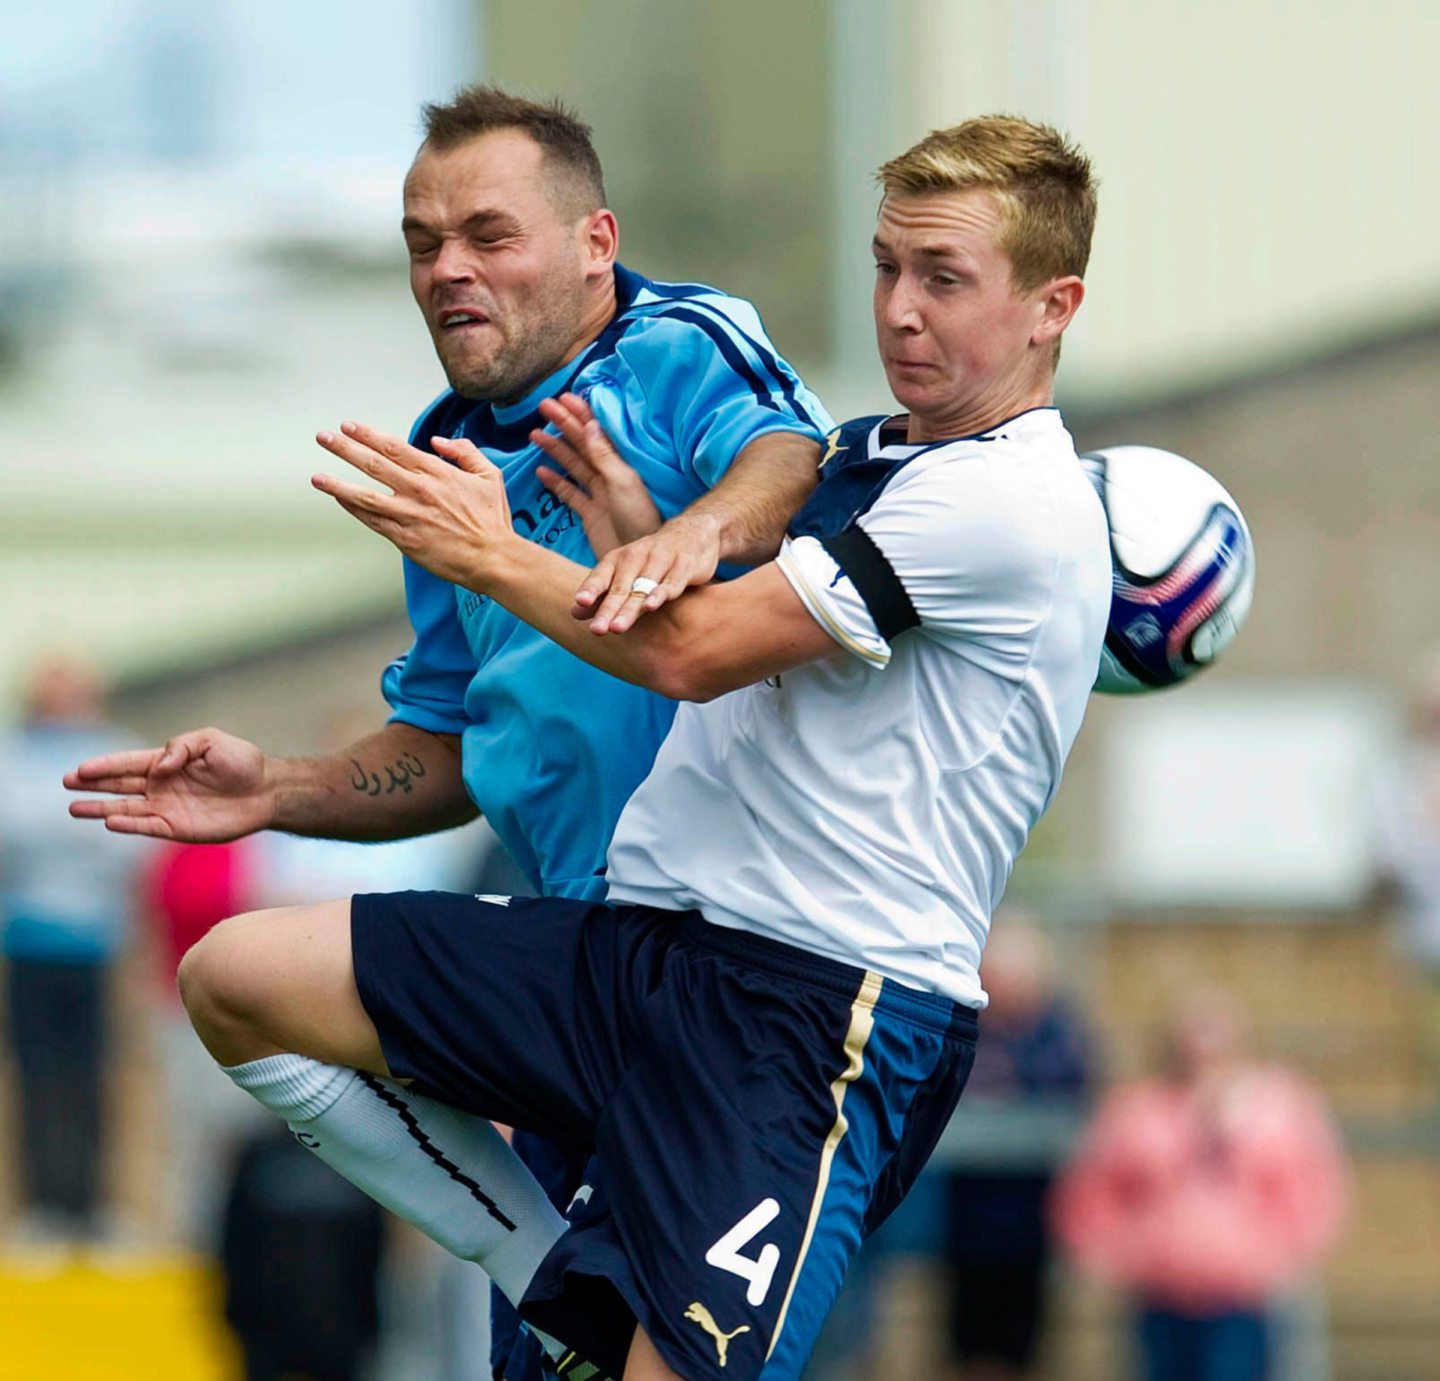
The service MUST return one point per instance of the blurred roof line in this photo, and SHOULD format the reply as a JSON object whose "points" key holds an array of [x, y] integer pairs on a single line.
{"points": [[1360, 348]]}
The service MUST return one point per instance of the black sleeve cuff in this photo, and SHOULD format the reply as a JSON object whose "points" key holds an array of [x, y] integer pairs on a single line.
{"points": [[855, 552]]}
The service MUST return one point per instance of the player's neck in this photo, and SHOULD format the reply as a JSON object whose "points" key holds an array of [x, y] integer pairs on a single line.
{"points": [[598, 315], [972, 416]]}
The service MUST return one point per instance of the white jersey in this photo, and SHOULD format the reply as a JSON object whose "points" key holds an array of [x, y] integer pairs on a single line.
{"points": [[870, 806]]}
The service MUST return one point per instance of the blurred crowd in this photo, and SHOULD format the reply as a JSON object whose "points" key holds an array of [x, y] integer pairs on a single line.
{"points": [[1201, 1195]]}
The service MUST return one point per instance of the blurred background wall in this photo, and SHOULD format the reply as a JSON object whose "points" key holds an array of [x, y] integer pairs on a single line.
{"points": [[200, 266], [198, 261]]}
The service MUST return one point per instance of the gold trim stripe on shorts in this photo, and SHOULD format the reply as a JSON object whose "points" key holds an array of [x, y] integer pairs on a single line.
{"points": [[862, 1022]]}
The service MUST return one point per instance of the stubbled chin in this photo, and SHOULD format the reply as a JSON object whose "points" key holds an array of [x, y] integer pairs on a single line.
{"points": [[469, 376], [464, 357]]}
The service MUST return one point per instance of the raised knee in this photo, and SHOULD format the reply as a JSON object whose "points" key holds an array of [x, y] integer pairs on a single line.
{"points": [[222, 992]]}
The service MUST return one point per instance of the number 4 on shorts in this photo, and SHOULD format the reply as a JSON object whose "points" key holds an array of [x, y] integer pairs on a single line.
{"points": [[757, 1270]]}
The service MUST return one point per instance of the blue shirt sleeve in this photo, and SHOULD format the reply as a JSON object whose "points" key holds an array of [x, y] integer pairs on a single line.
{"points": [[712, 384], [426, 687]]}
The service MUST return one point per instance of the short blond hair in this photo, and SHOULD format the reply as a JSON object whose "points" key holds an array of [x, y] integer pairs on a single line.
{"points": [[1042, 181]]}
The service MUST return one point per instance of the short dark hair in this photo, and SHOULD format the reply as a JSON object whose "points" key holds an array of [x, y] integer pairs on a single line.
{"points": [[564, 138]]}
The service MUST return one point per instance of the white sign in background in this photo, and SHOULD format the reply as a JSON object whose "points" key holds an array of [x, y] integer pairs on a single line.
{"points": [[1254, 796]]}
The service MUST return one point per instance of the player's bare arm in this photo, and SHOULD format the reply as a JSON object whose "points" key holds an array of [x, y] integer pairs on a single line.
{"points": [[727, 635], [208, 786], [454, 519], [742, 519]]}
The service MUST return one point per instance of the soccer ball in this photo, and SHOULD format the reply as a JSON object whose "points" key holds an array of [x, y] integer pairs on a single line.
{"points": [[1184, 567]]}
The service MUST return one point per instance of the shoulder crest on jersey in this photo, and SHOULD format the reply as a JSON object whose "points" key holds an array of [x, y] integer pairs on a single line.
{"points": [[853, 472], [852, 436]]}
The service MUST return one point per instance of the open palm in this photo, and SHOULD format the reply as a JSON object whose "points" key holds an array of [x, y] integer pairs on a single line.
{"points": [[204, 787]]}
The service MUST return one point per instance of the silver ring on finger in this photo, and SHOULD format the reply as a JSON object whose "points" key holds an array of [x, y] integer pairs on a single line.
{"points": [[642, 585]]}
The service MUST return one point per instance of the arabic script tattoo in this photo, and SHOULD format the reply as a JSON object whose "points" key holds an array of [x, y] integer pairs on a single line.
{"points": [[400, 775]]}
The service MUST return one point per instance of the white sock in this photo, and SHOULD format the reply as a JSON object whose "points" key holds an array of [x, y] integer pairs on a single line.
{"points": [[448, 1173]]}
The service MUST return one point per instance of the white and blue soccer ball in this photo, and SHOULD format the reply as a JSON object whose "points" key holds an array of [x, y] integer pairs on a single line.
{"points": [[1184, 567]]}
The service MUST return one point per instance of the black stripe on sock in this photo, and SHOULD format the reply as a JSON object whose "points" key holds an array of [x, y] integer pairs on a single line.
{"points": [[417, 1133]]}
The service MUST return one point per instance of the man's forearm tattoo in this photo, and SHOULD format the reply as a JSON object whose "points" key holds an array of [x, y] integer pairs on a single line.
{"points": [[401, 775]]}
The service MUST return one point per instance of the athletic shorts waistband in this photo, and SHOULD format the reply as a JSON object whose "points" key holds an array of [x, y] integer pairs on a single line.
{"points": [[930, 1010]]}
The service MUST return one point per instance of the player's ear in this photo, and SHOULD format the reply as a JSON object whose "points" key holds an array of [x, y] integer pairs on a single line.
{"points": [[1058, 301], [599, 240]]}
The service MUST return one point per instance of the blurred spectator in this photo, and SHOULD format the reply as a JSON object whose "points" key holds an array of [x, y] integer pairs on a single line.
{"points": [[188, 889], [1205, 1193], [66, 893], [1409, 841], [301, 1253], [1034, 1053]]}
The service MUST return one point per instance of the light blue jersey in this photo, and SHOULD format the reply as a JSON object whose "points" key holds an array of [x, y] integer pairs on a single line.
{"points": [[681, 380]]}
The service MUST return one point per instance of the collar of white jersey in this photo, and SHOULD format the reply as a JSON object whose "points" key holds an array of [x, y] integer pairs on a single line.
{"points": [[1033, 420]]}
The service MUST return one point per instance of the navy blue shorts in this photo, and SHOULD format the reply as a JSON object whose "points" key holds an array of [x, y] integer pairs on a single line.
{"points": [[754, 1110]]}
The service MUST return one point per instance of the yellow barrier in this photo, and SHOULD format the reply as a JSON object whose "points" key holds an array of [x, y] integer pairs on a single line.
{"points": [[111, 1317]]}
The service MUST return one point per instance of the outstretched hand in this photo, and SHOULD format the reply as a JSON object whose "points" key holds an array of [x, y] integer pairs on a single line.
{"points": [[447, 513], [204, 787], [622, 522]]}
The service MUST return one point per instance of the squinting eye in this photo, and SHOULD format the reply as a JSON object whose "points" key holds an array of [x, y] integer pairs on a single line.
{"points": [[420, 251], [882, 267]]}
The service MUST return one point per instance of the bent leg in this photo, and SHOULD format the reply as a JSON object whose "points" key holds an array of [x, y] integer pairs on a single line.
{"points": [[273, 997], [280, 981]]}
